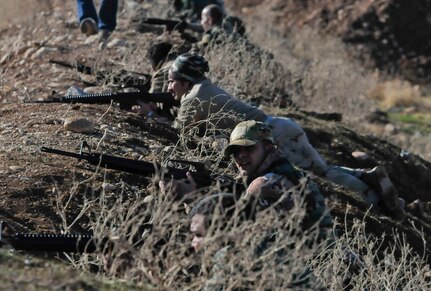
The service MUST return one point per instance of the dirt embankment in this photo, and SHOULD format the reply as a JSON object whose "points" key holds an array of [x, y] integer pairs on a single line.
{"points": [[32, 183], [392, 35]]}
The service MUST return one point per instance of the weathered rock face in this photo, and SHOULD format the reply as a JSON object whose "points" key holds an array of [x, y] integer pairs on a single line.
{"points": [[393, 35]]}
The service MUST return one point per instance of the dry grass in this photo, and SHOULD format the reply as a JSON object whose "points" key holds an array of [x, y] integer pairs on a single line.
{"points": [[397, 93], [250, 73], [269, 252], [315, 74], [330, 80]]}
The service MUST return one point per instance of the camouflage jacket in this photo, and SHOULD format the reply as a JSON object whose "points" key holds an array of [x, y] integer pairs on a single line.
{"points": [[281, 175]]}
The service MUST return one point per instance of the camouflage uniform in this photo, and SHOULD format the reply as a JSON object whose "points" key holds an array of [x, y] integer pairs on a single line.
{"points": [[207, 106], [217, 35], [293, 142], [209, 36], [278, 173]]}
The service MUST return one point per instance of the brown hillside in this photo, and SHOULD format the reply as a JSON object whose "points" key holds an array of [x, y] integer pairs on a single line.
{"points": [[391, 35], [35, 186]]}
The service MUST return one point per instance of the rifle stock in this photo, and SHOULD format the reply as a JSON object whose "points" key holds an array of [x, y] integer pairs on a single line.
{"points": [[125, 99]]}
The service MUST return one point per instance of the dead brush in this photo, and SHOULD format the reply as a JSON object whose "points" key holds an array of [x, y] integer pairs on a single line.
{"points": [[250, 73], [144, 237], [159, 253], [359, 261], [329, 79], [400, 93]]}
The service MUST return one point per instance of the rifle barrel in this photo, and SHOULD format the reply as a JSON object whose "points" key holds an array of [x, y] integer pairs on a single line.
{"points": [[63, 153], [170, 24], [202, 178], [79, 67]]}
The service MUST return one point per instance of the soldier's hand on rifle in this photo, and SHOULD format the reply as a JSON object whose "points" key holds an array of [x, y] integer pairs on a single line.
{"points": [[178, 188], [145, 109]]}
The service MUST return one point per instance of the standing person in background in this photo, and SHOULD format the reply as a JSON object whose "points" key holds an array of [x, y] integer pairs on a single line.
{"points": [[104, 22]]}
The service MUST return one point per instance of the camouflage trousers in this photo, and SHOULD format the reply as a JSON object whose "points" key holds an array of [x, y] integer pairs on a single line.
{"points": [[294, 144]]}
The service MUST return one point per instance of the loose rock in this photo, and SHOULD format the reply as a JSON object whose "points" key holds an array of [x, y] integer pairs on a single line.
{"points": [[80, 125], [390, 129], [360, 155]]}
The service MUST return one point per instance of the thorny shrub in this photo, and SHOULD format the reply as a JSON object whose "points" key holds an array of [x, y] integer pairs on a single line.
{"points": [[143, 236]]}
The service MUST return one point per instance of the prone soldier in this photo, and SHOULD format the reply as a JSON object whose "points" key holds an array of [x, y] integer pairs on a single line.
{"points": [[205, 106]]}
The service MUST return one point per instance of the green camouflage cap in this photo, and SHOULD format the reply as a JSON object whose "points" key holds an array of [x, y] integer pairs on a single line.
{"points": [[248, 133], [190, 67]]}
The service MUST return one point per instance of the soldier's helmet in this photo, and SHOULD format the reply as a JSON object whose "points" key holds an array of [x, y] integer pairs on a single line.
{"points": [[248, 133], [189, 67]]}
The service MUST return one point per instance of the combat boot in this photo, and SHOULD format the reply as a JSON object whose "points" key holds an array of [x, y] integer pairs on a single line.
{"points": [[378, 179], [88, 26]]}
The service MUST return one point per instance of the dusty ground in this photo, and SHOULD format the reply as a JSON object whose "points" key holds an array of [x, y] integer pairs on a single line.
{"points": [[16, 11], [31, 182]]}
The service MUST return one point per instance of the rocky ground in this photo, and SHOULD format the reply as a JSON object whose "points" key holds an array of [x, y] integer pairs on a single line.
{"points": [[32, 183]]}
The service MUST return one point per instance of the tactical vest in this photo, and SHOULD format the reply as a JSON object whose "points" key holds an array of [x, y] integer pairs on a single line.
{"points": [[314, 199]]}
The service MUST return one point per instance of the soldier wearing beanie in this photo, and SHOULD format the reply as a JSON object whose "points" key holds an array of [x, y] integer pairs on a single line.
{"points": [[204, 106]]}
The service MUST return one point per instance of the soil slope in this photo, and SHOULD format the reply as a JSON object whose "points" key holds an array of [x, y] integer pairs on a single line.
{"points": [[391, 35], [32, 183]]}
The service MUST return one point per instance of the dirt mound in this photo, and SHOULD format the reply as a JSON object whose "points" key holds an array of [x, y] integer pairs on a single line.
{"points": [[33, 184], [394, 36]]}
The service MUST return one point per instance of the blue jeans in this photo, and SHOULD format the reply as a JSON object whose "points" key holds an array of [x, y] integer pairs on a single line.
{"points": [[107, 18]]}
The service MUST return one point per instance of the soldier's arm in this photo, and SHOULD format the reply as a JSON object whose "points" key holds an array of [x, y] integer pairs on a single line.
{"points": [[270, 188]]}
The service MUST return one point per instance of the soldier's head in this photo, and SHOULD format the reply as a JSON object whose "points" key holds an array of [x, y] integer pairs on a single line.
{"points": [[249, 144], [215, 209], [212, 15], [158, 54], [187, 70]]}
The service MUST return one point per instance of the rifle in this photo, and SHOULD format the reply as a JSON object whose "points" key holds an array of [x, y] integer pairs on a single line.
{"points": [[69, 243], [125, 99], [170, 25], [201, 175], [122, 78]]}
